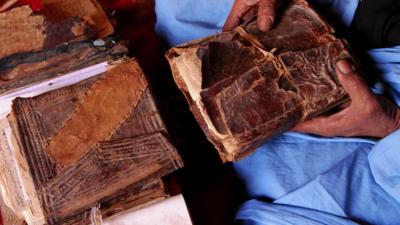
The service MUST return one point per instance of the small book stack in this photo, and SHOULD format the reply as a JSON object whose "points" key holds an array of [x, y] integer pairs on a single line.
{"points": [[81, 138]]}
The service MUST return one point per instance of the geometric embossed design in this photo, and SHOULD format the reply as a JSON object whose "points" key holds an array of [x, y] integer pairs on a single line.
{"points": [[106, 169], [133, 197], [136, 154], [99, 113]]}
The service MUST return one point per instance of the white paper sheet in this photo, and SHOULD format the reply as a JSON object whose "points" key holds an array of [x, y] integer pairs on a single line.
{"points": [[48, 85], [171, 211]]}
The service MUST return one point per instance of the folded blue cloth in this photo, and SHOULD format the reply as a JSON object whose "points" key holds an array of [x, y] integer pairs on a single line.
{"points": [[353, 178], [312, 180], [255, 212]]}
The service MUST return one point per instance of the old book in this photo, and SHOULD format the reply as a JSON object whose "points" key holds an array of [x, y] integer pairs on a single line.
{"points": [[246, 86], [17, 186], [21, 196], [134, 197], [26, 69], [24, 31], [120, 141], [57, 11]]}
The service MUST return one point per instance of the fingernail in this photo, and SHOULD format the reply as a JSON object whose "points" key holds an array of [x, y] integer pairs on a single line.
{"points": [[265, 24], [270, 22], [345, 66]]}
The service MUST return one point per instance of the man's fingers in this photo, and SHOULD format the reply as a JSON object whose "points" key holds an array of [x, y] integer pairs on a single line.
{"points": [[251, 13], [313, 126], [324, 126], [266, 14], [239, 9], [352, 82]]}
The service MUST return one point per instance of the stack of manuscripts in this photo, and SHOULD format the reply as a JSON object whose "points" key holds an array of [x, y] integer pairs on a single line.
{"points": [[81, 138]]}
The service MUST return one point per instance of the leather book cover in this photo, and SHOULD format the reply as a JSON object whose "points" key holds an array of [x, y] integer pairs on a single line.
{"points": [[93, 143], [24, 31], [57, 11], [26, 69], [246, 86], [60, 21], [38, 46], [132, 198]]}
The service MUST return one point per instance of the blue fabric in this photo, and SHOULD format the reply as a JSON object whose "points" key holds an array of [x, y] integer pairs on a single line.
{"points": [[311, 180], [180, 21], [351, 178], [256, 212], [387, 60]]}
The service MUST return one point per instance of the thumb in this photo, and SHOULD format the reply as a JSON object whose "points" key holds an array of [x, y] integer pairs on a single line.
{"points": [[352, 82], [266, 14]]}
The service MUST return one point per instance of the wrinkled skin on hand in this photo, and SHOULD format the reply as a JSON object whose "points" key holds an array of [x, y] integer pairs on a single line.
{"points": [[367, 115], [244, 10]]}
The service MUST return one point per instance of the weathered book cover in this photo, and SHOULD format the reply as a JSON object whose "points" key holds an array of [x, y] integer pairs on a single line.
{"points": [[91, 141], [24, 31], [36, 47], [246, 86], [57, 11], [21, 194], [131, 198], [26, 69], [60, 21]]}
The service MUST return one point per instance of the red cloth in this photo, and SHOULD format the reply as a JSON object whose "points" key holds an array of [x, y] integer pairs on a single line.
{"points": [[36, 5]]}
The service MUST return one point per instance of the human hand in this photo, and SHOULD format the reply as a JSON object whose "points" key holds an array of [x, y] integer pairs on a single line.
{"points": [[243, 10], [367, 115]]}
